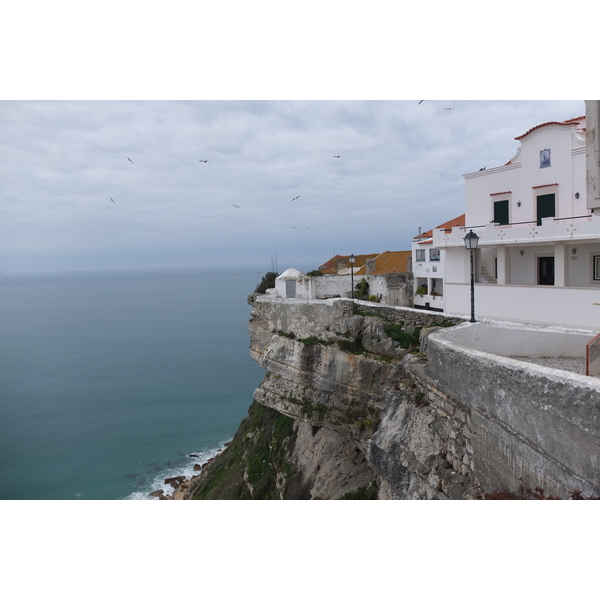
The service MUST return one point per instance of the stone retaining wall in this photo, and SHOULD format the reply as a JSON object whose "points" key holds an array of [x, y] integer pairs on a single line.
{"points": [[530, 424]]}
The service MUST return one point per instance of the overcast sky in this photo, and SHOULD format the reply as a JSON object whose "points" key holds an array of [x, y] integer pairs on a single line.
{"points": [[400, 167], [80, 98]]}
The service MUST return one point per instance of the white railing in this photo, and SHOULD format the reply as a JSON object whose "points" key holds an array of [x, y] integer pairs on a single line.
{"points": [[551, 229]]}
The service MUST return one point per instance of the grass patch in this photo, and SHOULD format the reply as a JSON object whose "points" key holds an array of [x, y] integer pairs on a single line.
{"points": [[352, 346], [404, 338], [366, 492], [291, 335], [259, 450], [442, 324], [315, 341], [363, 313]]}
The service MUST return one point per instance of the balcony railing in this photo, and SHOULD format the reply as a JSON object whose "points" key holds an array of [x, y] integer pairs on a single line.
{"points": [[552, 229]]}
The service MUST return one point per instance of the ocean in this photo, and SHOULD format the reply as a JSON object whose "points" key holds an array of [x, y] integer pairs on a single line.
{"points": [[110, 380]]}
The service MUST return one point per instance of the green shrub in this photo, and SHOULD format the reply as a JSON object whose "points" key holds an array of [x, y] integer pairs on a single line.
{"points": [[291, 335], [314, 341], [362, 289], [404, 338], [267, 282], [398, 334]]}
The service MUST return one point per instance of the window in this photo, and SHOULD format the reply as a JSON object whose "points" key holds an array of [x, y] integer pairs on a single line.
{"points": [[420, 256], [434, 254], [596, 268], [545, 207], [501, 212], [437, 287]]}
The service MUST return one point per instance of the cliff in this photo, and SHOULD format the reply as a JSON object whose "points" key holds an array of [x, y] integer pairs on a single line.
{"points": [[340, 413], [362, 400]]}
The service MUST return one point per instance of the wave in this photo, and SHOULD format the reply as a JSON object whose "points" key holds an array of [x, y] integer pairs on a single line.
{"points": [[187, 470]]}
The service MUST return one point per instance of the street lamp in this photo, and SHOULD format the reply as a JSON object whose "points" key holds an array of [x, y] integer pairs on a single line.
{"points": [[471, 240], [352, 259]]}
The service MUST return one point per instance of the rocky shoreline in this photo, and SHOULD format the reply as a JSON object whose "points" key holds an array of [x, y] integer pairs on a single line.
{"points": [[182, 487]]}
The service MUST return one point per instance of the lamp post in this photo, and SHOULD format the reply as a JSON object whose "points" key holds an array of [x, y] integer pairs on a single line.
{"points": [[471, 240], [352, 259]]}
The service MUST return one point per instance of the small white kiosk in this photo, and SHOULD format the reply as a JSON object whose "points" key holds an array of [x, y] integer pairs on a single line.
{"points": [[293, 284]]}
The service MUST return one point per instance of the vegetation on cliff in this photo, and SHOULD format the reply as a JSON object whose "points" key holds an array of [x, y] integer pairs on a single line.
{"points": [[248, 468], [266, 283], [262, 463]]}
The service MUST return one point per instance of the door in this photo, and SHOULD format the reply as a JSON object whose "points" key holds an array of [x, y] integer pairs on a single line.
{"points": [[546, 270], [545, 207], [290, 288]]}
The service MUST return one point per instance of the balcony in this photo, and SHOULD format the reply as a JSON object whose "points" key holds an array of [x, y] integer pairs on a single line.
{"points": [[552, 229]]}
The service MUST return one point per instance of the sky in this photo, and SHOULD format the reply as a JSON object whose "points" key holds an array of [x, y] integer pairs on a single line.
{"points": [[108, 184]]}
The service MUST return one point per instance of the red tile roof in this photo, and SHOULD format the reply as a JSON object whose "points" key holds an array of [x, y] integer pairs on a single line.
{"points": [[456, 222], [535, 187], [568, 123]]}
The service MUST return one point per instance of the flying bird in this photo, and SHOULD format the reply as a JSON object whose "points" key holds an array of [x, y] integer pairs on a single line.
{"points": [[296, 198], [337, 156], [203, 161], [236, 206], [482, 169], [448, 109], [127, 157], [307, 228], [113, 201]]}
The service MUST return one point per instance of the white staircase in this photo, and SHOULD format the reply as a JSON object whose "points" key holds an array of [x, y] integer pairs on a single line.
{"points": [[486, 276]]}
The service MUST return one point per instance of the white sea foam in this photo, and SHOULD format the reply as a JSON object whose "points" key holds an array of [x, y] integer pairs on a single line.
{"points": [[187, 470]]}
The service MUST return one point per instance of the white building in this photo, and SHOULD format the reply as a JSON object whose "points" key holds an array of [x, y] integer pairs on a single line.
{"points": [[538, 258], [428, 268]]}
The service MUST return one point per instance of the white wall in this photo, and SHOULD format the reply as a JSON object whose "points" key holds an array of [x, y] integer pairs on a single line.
{"points": [[520, 176], [428, 270], [561, 306], [333, 285]]}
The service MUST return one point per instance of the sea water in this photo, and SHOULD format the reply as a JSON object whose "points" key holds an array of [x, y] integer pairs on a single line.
{"points": [[109, 381]]}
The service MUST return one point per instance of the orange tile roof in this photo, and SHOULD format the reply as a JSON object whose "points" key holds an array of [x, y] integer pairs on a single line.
{"points": [[385, 262], [568, 122], [392, 262], [331, 266], [456, 222]]}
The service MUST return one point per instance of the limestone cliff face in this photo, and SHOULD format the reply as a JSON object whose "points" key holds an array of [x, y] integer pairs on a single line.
{"points": [[348, 369], [344, 377], [359, 401]]}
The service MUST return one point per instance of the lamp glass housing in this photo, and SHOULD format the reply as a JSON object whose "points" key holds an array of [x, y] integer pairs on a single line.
{"points": [[471, 240], [352, 259]]}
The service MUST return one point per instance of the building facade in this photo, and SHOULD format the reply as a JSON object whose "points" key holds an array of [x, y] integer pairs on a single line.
{"points": [[428, 268], [538, 256]]}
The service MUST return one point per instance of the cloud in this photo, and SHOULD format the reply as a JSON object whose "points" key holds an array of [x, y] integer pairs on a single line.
{"points": [[400, 168]]}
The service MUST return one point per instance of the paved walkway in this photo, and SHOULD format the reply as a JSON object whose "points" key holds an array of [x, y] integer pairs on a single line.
{"points": [[573, 365]]}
